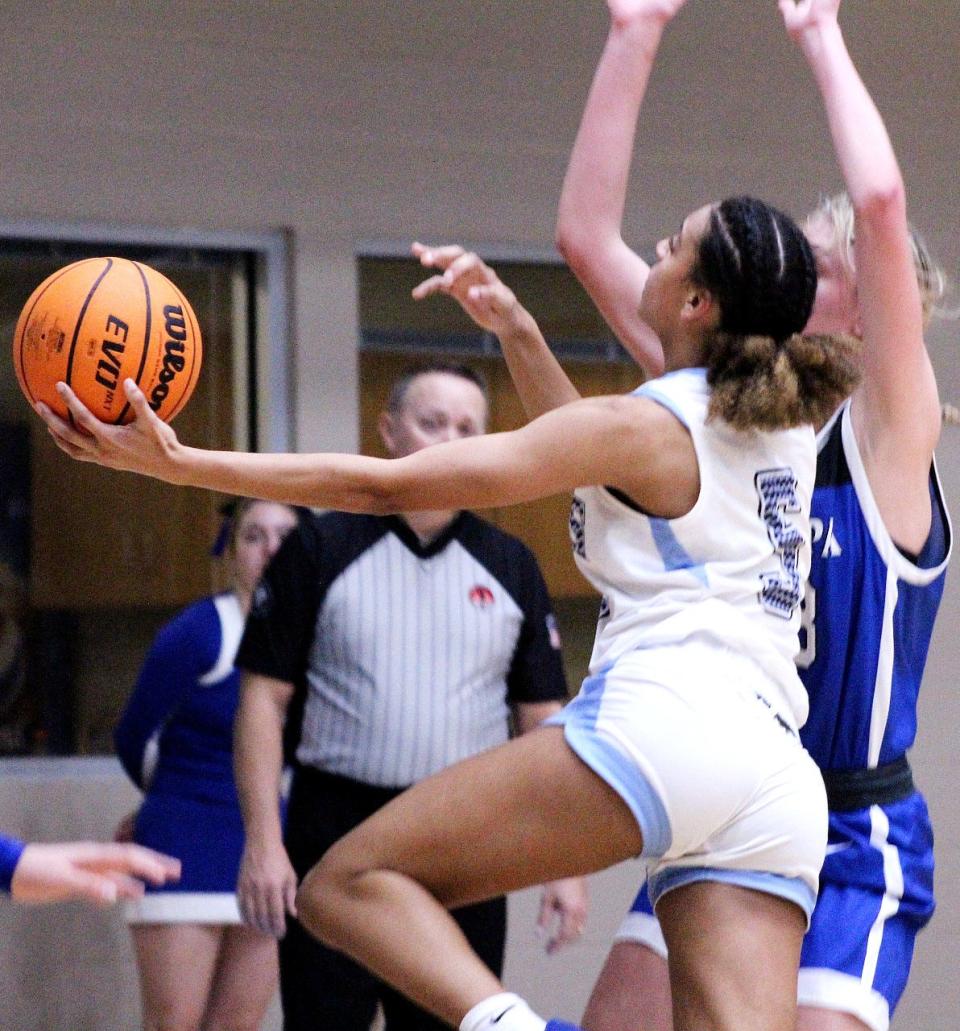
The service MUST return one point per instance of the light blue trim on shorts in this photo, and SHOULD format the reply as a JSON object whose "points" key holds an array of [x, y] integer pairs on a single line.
{"points": [[793, 889], [579, 720]]}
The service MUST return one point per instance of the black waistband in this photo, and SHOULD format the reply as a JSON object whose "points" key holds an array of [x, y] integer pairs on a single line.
{"points": [[857, 789], [310, 779]]}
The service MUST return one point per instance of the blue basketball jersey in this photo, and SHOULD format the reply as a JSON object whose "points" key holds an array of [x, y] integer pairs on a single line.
{"points": [[868, 613]]}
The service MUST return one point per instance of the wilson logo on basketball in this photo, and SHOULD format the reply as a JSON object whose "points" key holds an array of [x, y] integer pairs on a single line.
{"points": [[481, 596], [175, 327]]}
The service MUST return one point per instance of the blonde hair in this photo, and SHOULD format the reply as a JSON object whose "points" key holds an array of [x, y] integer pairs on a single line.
{"points": [[837, 213]]}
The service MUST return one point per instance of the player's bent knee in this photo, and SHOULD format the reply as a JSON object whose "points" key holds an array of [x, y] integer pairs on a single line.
{"points": [[325, 894], [316, 902]]}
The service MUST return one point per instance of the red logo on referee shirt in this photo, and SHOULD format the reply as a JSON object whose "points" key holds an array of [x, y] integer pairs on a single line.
{"points": [[481, 596]]}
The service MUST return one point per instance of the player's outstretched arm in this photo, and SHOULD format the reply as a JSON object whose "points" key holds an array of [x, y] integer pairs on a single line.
{"points": [[612, 440], [900, 401], [590, 215], [95, 871], [541, 383], [896, 409]]}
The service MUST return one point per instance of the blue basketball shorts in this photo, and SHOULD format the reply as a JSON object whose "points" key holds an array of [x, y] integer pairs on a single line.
{"points": [[876, 894]]}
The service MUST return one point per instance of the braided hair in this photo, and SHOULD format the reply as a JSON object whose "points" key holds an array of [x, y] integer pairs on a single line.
{"points": [[764, 373]]}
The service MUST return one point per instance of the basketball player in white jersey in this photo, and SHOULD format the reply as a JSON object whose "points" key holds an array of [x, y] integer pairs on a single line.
{"points": [[693, 521]]}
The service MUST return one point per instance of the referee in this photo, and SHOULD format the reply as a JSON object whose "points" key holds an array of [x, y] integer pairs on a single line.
{"points": [[378, 651]]}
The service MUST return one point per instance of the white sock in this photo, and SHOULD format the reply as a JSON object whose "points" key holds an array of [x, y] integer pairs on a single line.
{"points": [[502, 1012]]}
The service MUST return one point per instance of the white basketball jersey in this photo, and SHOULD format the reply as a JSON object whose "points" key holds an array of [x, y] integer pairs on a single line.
{"points": [[731, 571]]}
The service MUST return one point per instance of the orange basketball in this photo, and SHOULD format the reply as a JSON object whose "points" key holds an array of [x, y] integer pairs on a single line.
{"points": [[99, 321]]}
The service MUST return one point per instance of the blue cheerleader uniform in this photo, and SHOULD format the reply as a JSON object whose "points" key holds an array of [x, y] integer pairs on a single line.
{"points": [[175, 741]]}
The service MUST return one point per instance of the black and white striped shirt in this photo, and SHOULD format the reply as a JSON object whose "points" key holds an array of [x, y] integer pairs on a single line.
{"points": [[406, 657]]}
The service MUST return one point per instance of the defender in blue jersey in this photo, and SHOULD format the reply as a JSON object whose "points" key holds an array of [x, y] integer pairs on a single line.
{"points": [[882, 537], [869, 614]]}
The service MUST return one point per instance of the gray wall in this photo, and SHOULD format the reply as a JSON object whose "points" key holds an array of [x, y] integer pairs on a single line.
{"points": [[349, 121]]}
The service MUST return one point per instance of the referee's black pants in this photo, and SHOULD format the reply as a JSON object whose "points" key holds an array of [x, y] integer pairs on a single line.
{"points": [[323, 990]]}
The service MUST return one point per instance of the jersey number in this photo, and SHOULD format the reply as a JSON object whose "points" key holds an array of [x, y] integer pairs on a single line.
{"points": [[780, 591], [808, 628]]}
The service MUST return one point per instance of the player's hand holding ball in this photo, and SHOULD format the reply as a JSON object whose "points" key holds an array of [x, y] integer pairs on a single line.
{"points": [[145, 445], [107, 351]]}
